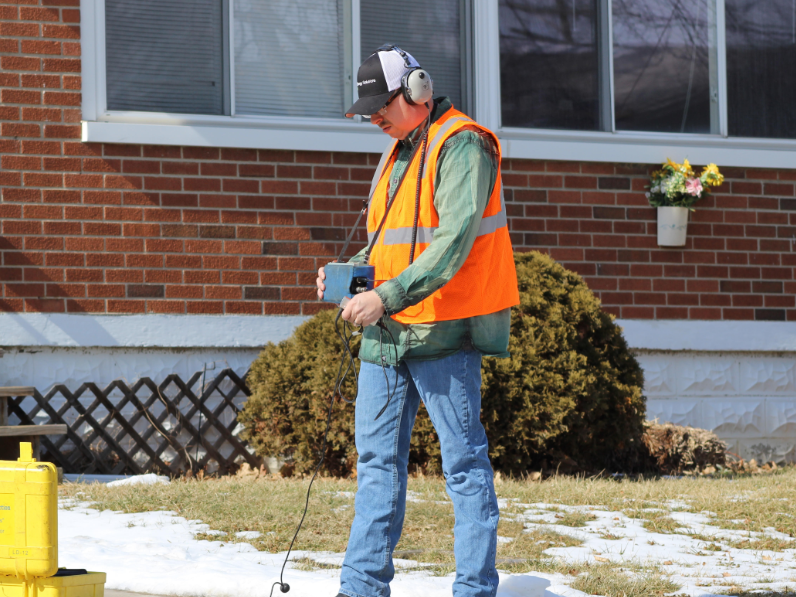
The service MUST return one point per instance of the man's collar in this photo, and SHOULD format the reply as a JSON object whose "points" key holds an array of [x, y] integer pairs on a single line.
{"points": [[440, 106]]}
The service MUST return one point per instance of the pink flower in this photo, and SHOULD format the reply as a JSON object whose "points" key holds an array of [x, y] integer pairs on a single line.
{"points": [[693, 186]]}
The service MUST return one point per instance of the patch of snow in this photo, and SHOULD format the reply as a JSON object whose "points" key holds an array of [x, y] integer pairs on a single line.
{"points": [[148, 479], [248, 534], [162, 544]]}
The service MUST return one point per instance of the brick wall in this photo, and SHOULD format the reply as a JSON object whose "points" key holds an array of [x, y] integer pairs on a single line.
{"points": [[108, 228]]}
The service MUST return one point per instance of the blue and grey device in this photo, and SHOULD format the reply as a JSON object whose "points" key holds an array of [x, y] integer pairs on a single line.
{"points": [[345, 280]]}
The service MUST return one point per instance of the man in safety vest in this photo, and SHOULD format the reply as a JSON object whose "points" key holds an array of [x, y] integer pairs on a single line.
{"points": [[445, 283]]}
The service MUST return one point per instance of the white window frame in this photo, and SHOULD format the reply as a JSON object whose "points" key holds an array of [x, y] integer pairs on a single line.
{"points": [[325, 134]]}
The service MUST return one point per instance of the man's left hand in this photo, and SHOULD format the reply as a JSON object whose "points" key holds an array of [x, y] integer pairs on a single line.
{"points": [[364, 309]]}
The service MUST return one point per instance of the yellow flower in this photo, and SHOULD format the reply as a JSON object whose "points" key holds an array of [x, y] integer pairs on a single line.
{"points": [[674, 165], [686, 168], [712, 175]]}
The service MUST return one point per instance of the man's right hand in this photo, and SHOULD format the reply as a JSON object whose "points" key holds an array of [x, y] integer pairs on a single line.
{"points": [[319, 282]]}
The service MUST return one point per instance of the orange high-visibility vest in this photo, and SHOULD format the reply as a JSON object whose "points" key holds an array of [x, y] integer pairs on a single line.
{"points": [[487, 281]]}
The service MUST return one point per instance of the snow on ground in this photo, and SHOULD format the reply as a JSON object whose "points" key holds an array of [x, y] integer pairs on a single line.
{"points": [[156, 552]]}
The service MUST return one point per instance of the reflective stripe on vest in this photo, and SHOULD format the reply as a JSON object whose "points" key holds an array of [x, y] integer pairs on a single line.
{"points": [[439, 136], [379, 169], [400, 236]]}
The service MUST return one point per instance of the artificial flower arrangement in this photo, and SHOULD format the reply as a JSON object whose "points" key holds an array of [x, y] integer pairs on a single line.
{"points": [[676, 185]]}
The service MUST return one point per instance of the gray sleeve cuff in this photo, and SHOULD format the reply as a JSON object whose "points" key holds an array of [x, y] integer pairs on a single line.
{"points": [[393, 297]]}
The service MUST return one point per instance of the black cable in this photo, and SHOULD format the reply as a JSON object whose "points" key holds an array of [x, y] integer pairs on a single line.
{"points": [[390, 394], [283, 586]]}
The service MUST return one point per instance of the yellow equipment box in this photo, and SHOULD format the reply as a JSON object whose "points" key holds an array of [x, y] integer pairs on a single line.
{"points": [[89, 584], [28, 517]]}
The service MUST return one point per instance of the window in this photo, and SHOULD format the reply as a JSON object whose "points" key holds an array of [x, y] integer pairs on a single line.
{"points": [[761, 68], [584, 80], [289, 58], [436, 33], [549, 64], [649, 66], [165, 56]]}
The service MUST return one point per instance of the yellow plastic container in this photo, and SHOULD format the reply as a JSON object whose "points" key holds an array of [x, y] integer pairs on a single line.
{"points": [[82, 585], [28, 517]]}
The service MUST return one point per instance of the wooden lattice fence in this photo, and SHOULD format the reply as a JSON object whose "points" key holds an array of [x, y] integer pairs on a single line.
{"points": [[171, 428]]}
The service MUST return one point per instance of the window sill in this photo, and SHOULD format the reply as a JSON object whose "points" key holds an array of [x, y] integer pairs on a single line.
{"points": [[244, 133], [334, 135], [646, 148]]}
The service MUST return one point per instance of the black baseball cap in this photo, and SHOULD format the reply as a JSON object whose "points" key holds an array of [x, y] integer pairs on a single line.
{"points": [[378, 78]]}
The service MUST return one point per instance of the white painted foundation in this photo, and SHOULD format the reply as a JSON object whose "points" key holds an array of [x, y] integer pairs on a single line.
{"points": [[737, 379]]}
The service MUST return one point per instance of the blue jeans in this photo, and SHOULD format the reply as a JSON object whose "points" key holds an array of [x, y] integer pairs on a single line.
{"points": [[451, 391]]}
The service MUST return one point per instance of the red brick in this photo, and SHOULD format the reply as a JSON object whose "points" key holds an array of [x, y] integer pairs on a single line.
{"points": [[281, 308], [104, 290], [126, 306], [42, 114], [62, 164], [40, 243], [244, 307], [200, 153], [123, 182], [68, 15], [124, 245], [206, 307], [158, 306], [62, 131], [21, 227], [200, 277], [141, 167], [19, 30], [218, 201], [33, 179], [101, 259], [162, 183], [41, 147], [239, 155], [87, 244], [57, 98], [276, 155], [180, 168], [30, 46], [13, 162], [72, 82], [19, 96], [161, 245], [256, 170], [10, 129], [43, 81], [62, 228]]}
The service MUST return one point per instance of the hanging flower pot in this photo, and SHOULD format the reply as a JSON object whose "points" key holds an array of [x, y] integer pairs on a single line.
{"points": [[674, 189], [672, 226]]}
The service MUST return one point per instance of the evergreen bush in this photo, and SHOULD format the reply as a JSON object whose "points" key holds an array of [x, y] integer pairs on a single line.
{"points": [[569, 395]]}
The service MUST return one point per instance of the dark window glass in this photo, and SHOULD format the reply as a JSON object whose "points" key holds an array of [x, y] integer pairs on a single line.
{"points": [[164, 56], [431, 31], [549, 71], [662, 55], [761, 68]]}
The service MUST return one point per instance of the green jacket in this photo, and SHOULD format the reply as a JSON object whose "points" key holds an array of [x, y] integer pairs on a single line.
{"points": [[466, 173]]}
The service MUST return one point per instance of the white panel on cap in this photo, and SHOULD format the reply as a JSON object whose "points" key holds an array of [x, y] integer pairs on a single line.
{"points": [[394, 67]]}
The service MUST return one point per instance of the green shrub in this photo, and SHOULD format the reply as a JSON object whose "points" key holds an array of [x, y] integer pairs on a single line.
{"points": [[570, 392]]}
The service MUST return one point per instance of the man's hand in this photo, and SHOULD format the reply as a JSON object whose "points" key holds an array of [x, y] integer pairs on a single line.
{"points": [[364, 309], [319, 282]]}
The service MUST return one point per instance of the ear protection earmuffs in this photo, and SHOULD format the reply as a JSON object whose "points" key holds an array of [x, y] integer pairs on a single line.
{"points": [[417, 86]]}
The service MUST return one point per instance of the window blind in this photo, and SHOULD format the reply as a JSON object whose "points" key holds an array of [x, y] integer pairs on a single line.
{"points": [[432, 32], [289, 57], [164, 55]]}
